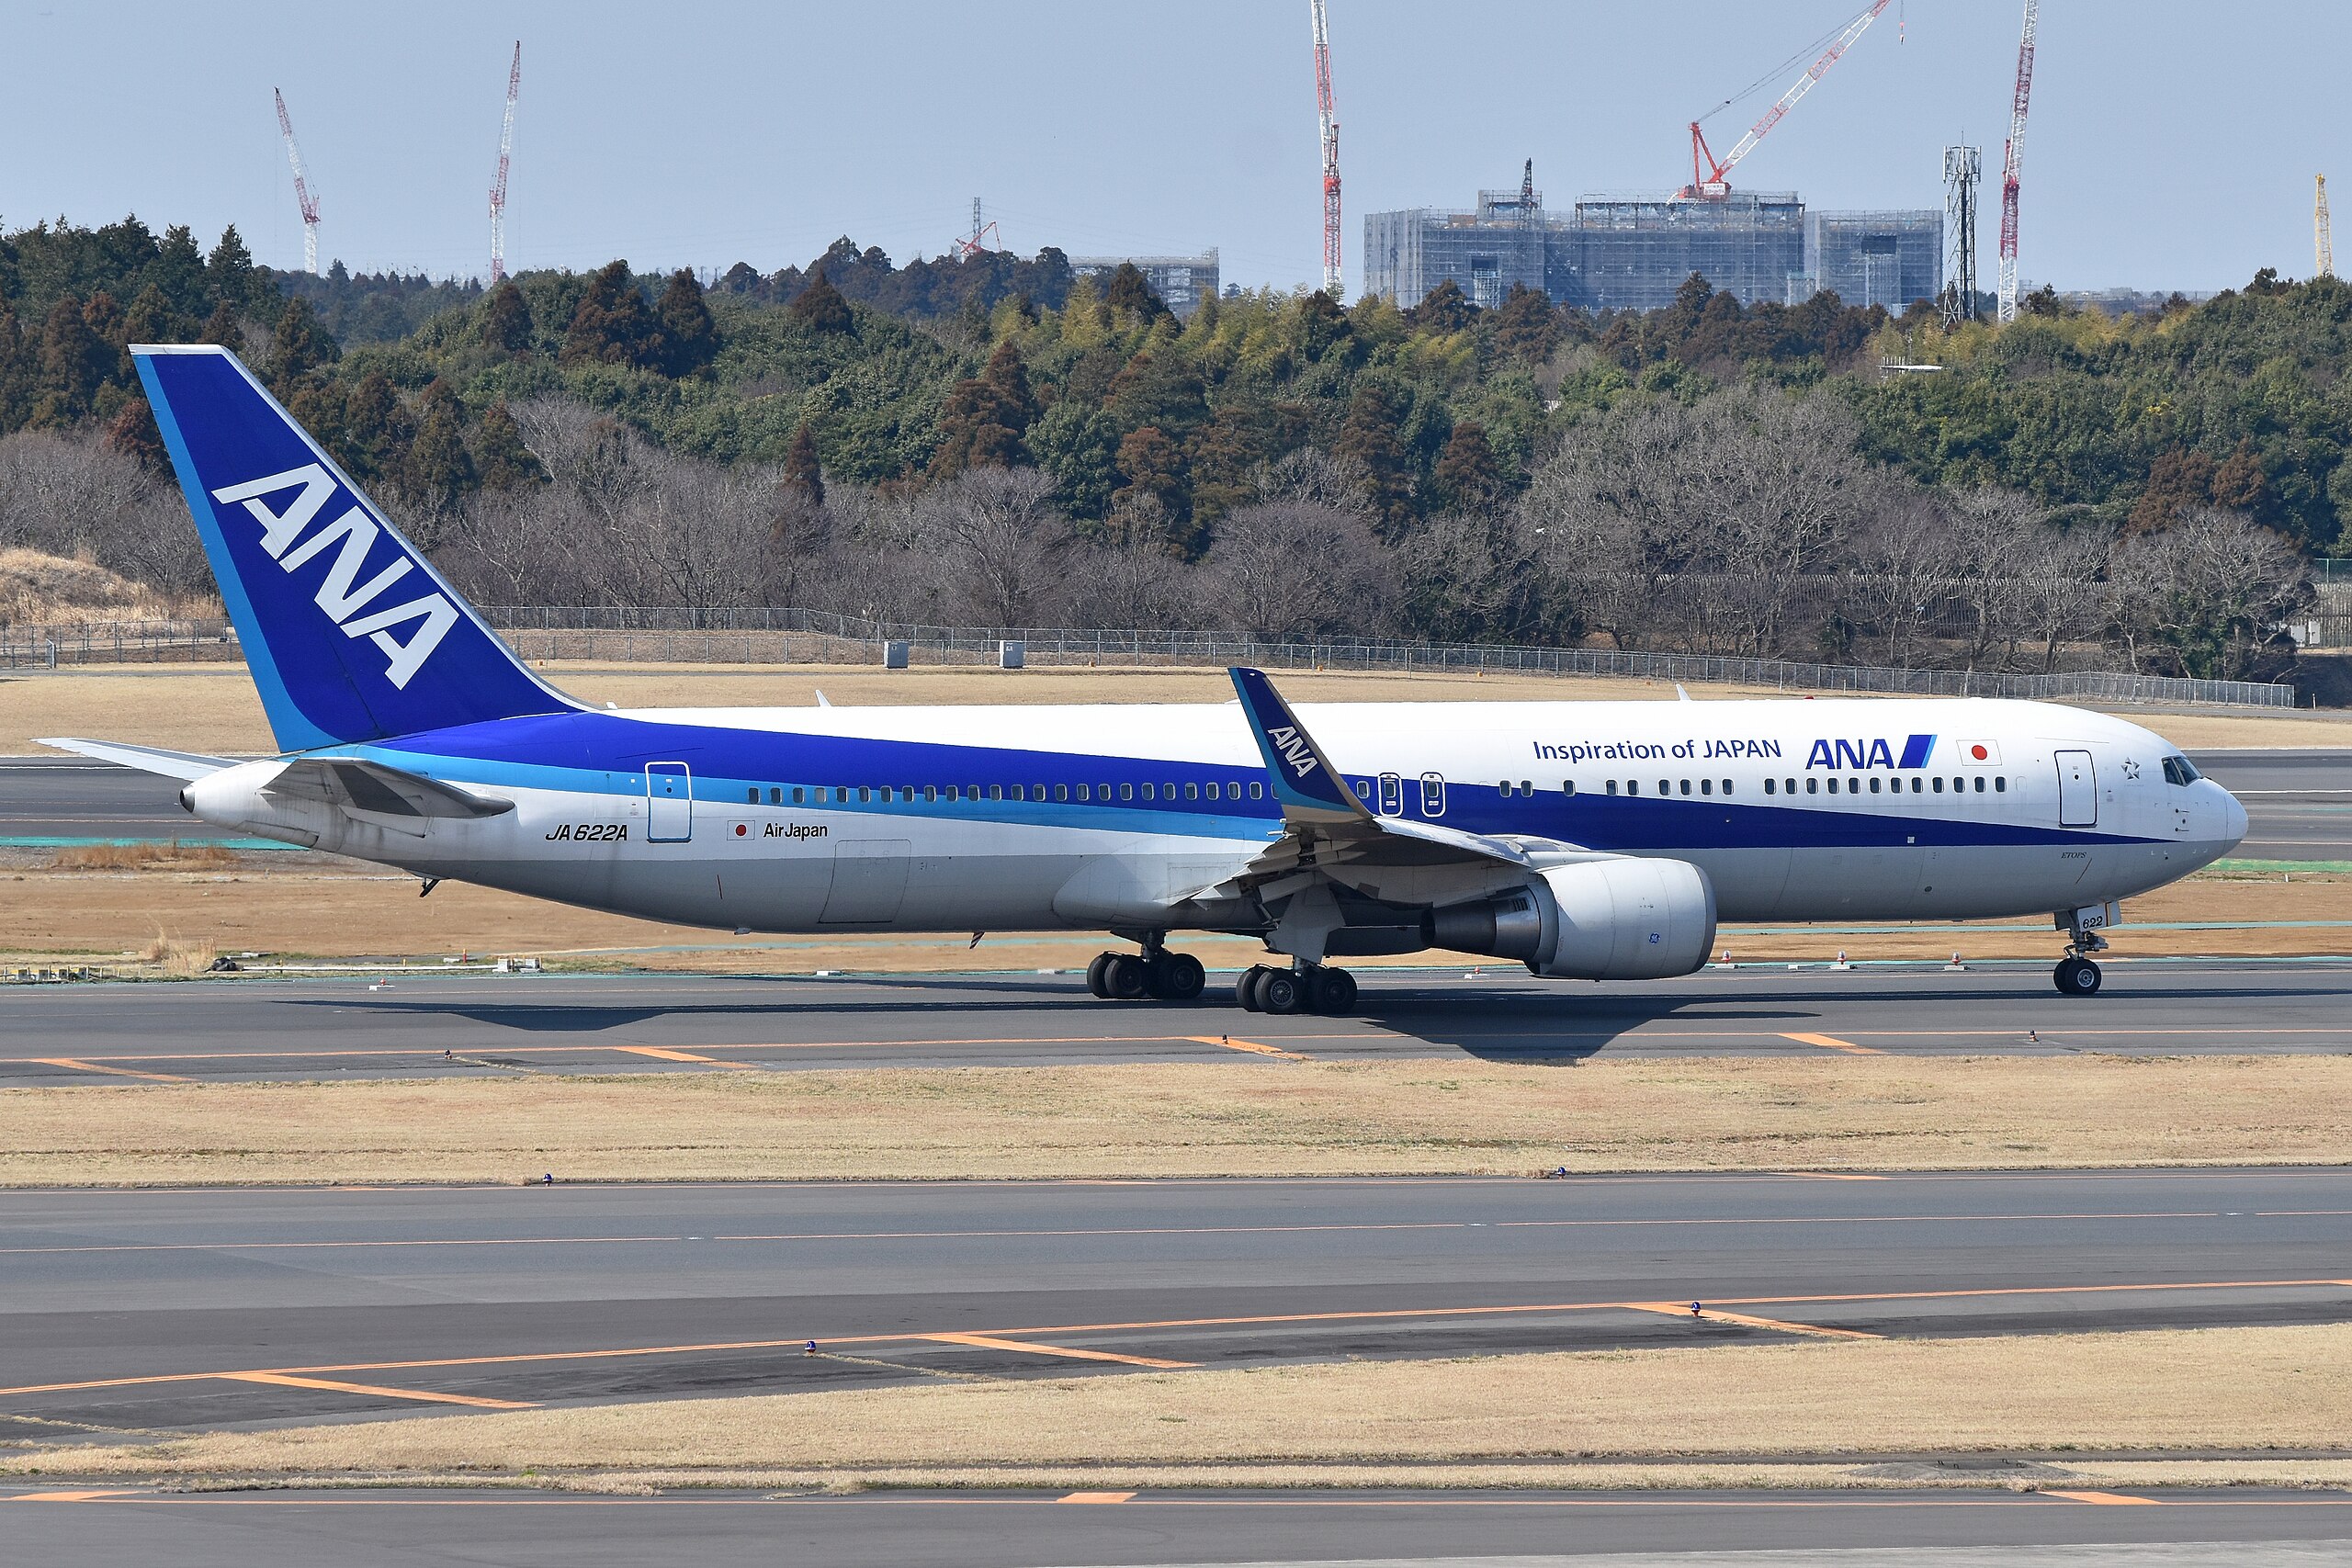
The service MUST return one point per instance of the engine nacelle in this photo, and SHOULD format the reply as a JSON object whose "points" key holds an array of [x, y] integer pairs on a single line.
{"points": [[1621, 919]]}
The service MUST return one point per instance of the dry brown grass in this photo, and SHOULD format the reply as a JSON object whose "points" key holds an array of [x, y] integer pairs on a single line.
{"points": [[169, 855], [2225, 1389], [266, 903], [212, 708], [39, 588], [1252, 1118]]}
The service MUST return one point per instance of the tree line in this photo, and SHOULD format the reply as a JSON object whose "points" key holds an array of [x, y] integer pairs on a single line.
{"points": [[855, 434]]}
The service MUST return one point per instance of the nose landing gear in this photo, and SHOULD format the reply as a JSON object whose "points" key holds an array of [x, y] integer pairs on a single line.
{"points": [[2076, 975]]}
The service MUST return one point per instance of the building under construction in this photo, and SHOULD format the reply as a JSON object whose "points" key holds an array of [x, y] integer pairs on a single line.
{"points": [[1181, 282], [1630, 253]]}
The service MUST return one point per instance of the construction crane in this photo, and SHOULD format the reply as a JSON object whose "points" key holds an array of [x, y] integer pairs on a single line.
{"points": [[2323, 241], [505, 154], [969, 245], [1327, 125], [2010, 160], [1710, 176], [302, 197]]}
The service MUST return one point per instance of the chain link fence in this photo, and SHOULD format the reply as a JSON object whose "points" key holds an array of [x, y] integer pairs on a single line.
{"points": [[821, 636]]}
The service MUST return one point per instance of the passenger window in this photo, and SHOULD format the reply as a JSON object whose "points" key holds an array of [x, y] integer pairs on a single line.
{"points": [[1151, 792], [1632, 786], [1874, 787], [996, 792], [751, 796], [1567, 786], [1790, 786], [1612, 786], [1257, 789], [1768, 786], [1086, 792], [1665, 786], [1706, 786], [1061, 791], [840, 795], [1168, 791], [1939, 783], [2000, 785], [929, 792], [1192, 792], [1813, 787], [953, 797], [1980, 783], [1726, 786], [1432, 795], [1686, 786], [1364, 790], [1020, 792], [1126, 792], [796, 798], [1833, 786]]}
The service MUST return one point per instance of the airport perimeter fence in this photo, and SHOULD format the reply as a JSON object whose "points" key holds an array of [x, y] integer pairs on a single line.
{"points": [[822, 637], [759, 636]]}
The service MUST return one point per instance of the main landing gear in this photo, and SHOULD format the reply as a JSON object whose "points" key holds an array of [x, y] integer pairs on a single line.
{"points": [[2076, 975], [1310, 987], [1154, 972]]}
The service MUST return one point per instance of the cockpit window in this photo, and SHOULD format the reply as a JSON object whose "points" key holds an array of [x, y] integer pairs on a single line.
{"points": [[2180, 771]]}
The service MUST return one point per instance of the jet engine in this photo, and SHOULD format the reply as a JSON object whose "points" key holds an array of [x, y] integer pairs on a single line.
{"points": [[1619, 918]]}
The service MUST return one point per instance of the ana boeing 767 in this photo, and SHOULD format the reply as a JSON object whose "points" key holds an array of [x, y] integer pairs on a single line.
{"points": [[1599, 840]]}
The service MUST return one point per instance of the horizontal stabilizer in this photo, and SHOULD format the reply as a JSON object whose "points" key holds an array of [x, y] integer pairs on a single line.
{"points": [[146, 759]]}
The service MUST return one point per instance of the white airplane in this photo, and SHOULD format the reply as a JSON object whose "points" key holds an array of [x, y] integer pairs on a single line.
{"points": [[1599, 840]]}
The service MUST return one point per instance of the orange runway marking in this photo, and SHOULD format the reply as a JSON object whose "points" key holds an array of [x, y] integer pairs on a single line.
{"points": [[1709, 1314], [70, 1497], [1831, 1042], [1250, 1045], [80, 1065], [1023, 1342], [991, 1342], [288, 1380], [1097, 1497], [2112, 1499], [667, 1055]]}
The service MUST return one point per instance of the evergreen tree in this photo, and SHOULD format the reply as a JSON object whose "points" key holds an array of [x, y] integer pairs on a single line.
{"points": [[104, 319], [133, 433], [73, 362], [986, 417], [1466, 473], [229, 270], [1526, 327], [506, 322], [1444, 308], [223, 328], [503, 458], [690, 340], [1322, 325], [153, 319], [821, 308], [178, 271], [1154, 466], [298, 347], [1078, 444], [377, 428], [1131, 291], [437, 469], [1372, 437], [17, 371], [612, 325], [804, 474]]}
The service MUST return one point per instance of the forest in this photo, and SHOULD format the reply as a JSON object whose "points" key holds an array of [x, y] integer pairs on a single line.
{"points": [[993, 441]]}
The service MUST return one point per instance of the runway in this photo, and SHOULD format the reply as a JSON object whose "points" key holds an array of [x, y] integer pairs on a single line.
{"points": [[428, 1024], [1517, 1529], [160, 1310], [2299, 801]]}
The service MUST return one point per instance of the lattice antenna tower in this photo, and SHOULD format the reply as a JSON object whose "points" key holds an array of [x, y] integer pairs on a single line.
{"points": [[2322, 239], [969, 245], [1963, 169], [2011, 159], [302, 197], [505, 155], [1328, 127]]}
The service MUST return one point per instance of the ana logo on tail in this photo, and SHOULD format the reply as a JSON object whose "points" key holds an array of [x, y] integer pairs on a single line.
{"points": [[1295, 749], [342, 595]]}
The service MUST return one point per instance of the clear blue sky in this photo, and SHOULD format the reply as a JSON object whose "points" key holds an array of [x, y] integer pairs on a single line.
{"points": [[2173, 143]]}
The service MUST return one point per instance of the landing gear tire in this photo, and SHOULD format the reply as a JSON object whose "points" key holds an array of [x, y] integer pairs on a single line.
{"points": [[2077, 978], [1282, 991], [1095, 980], [1332, 992], [1176, 978], [1124, 978], [1245, 989]]}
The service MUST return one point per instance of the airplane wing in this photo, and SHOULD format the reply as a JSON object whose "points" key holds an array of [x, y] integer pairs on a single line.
{"points": [[146, 759], [1329, 833]]}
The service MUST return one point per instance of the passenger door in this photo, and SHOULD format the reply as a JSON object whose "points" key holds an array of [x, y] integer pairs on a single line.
{"points": [[669, 803], [2077, 790]]}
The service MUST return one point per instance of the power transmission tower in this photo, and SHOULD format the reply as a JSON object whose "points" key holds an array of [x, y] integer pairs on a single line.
{"points": [[2323, 241], [505, 154], [1328, 124], [1962, 170], [2012, 157], [972, 244], [302, 197]]}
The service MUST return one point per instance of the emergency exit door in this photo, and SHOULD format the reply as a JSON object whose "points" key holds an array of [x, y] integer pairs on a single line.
{"points": [[2077, 791], [669, 803]]}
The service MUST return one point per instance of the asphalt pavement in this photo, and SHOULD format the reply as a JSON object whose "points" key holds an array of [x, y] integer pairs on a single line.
{"points": [[433, 1023]]}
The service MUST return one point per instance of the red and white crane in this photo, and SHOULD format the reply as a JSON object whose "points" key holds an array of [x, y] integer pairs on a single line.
{"points": [[505, 154], [1710, 176], [1328, 125], [302, 197], [2010, 160]]}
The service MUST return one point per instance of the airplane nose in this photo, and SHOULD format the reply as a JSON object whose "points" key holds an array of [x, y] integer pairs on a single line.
{"points": [[2233, 818]]}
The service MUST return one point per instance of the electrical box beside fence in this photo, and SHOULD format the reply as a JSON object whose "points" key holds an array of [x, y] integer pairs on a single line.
{"points": [[1012, 654], [894, 655]]}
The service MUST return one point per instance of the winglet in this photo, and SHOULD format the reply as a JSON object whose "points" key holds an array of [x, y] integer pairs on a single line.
{"points": [[1310, 788]]}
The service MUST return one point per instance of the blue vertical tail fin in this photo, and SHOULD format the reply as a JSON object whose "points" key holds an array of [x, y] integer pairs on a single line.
{"points": [[349, 632]]}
